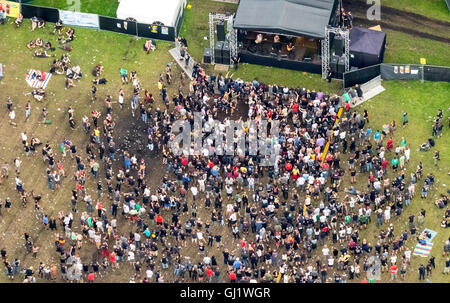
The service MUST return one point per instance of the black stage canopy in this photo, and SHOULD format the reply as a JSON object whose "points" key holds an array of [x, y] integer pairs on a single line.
{"points": [[367, 47], [286, 17]]}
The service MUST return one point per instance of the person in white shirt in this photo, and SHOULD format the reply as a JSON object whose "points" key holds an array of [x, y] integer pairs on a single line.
{"points": [[201, 184], [407, 154], [194, 191], [393, 259], [330, 261], [149, 273], [325, 251]]}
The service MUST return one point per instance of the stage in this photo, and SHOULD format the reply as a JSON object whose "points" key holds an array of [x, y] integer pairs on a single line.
{"points": [[284, 24], [304, 56]]}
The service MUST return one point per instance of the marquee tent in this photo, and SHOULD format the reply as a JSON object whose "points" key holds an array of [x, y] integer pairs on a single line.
{"points": [[167, 12], [366, 47]]}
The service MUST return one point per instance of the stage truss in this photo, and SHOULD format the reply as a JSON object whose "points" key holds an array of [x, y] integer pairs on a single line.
{"points": [[344, 33], [231, 35]]}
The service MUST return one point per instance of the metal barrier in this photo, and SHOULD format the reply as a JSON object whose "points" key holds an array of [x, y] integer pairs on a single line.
{"points": [[160, 32], [397, 72], [361, 75]]}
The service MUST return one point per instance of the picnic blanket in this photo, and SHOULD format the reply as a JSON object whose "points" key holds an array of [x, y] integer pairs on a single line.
{"points": [[423, 248], [34, 82]]}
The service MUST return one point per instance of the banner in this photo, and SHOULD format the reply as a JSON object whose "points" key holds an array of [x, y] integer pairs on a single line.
{"points": [[12, 9], [79, 19]]}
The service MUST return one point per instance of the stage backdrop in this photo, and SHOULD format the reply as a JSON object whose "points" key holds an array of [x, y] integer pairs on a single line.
{"points": [[79, 19], [12, 9]]}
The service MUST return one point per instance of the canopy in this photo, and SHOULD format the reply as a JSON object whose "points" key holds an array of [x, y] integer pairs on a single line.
{"points": [[150, 11], [286, 17], [366, 46]]}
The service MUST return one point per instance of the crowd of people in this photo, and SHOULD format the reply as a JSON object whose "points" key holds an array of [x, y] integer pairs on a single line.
{"points": [[229, 218]]}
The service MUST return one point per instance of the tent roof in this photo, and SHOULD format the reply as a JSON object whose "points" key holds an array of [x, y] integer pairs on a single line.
{"points": [[368, 41], [288, 17], [149, 11]]}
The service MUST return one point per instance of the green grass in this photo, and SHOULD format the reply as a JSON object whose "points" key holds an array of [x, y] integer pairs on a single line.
{"points": [[421, 102], [402, 48], [291, 78], [101, 7], [436, 9]]}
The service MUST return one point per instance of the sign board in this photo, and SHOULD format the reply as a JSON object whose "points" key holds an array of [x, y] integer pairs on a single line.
{"points": [[79, 19], [12, 9]]}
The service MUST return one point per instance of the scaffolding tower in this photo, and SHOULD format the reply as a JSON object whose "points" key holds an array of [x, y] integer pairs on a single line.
{"points": [[231, 36], [326, 48]]}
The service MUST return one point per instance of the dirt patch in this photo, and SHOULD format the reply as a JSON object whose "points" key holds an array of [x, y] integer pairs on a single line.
{"points": [[401, 21]]}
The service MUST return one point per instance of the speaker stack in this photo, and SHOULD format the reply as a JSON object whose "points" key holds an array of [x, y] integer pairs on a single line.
{"points": [[218, 52], [341, 66], [207, 56], [226, 53], [339, 45], [220, 27]]}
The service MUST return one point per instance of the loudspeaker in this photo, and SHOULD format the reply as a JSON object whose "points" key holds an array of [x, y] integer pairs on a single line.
{"points": [[341, 65], [334, 60], [218, 52], [339, 45], [207, 55], [220, 26], [226, 53]]}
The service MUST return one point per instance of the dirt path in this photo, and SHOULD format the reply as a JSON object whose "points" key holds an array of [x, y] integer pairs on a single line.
{"points": [[405, 22]]}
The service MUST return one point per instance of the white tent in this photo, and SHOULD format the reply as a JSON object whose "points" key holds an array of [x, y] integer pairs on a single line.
{"points": [[148, 11]]}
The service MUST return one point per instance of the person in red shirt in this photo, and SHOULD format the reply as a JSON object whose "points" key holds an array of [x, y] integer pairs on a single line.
{"points": [[232, 277], [112, 258], [384, 164], [159, 220], [209, 273], [390, 145], [99, 209], [394, 269], [91, 277]]}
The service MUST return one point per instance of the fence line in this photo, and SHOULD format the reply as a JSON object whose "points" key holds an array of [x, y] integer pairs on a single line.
{"points": [[393, 71], [143, 30]]}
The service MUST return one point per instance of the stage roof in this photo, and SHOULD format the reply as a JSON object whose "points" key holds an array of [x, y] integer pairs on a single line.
{"points": [[286, 17]]}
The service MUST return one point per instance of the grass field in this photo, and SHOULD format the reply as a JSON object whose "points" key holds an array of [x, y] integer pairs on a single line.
{"points": [[421, 102], [431, 8], [401, 48]]}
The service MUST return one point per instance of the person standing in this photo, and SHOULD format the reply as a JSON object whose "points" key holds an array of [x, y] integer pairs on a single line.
{"points": [[27, 110], [447, 266], [436, 157], [421, 272], [405, 119], [329, 75]]}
